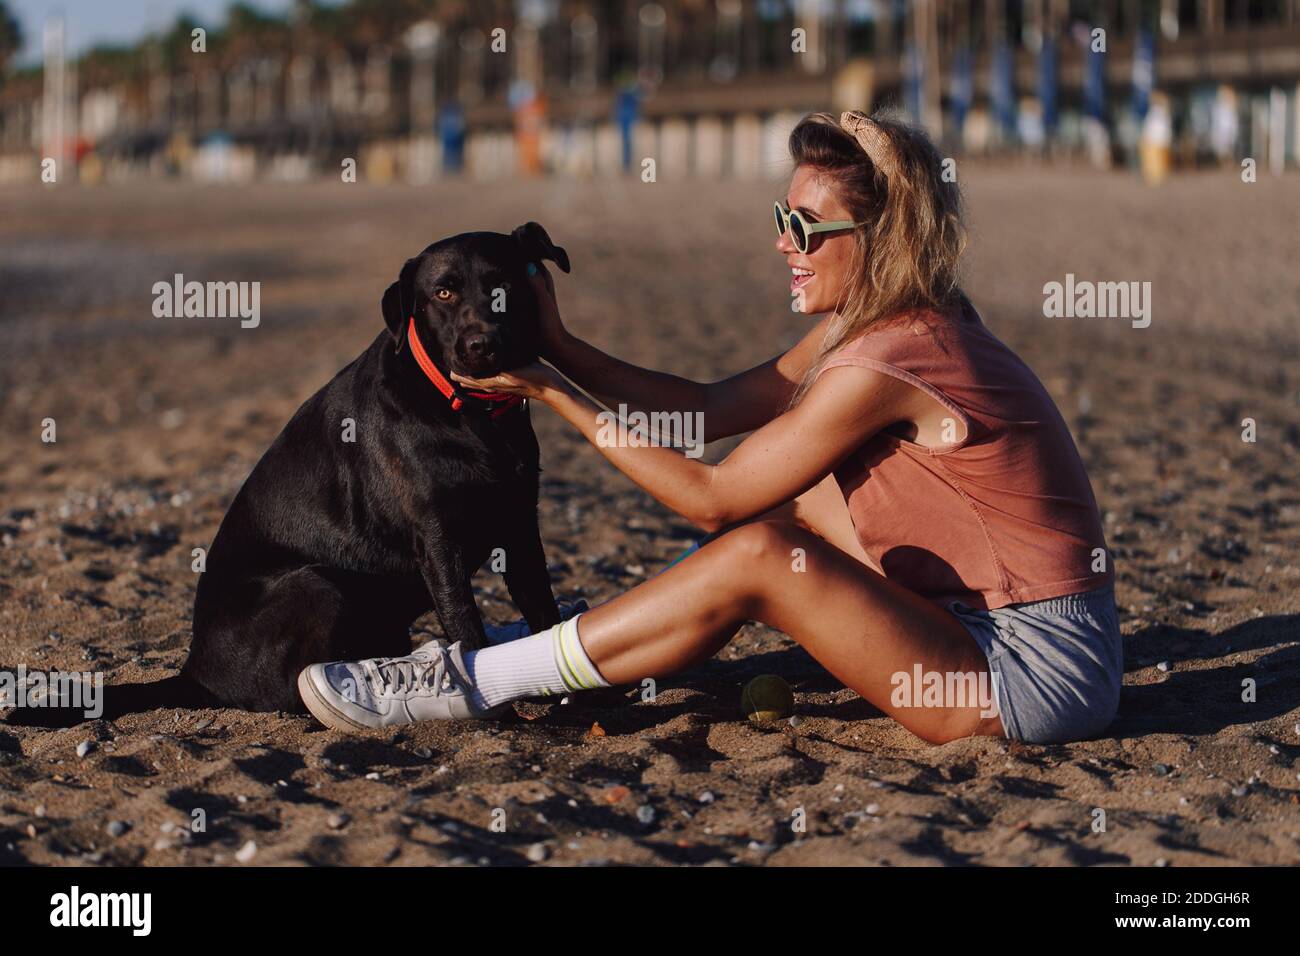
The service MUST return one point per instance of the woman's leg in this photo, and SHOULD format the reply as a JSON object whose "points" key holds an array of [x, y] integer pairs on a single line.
{"points": [[860, 626]]}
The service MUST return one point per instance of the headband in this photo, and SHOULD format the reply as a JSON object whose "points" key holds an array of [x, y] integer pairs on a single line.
{"points": [[872, 139]]}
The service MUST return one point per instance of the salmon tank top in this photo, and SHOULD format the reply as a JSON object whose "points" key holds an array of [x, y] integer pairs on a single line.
{"points": [[1001, 514]]}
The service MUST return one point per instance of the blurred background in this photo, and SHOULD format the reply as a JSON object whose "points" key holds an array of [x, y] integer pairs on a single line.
{"points": [[128, 158], [416, 89]]}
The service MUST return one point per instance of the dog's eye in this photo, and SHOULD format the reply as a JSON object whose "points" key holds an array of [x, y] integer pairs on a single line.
{"points": [[444, 295]]}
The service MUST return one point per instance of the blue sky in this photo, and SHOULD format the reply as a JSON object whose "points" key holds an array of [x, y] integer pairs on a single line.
{"points": [[113, 21]]}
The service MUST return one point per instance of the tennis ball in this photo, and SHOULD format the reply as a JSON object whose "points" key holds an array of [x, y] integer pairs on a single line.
{"points": [[767, 697]]}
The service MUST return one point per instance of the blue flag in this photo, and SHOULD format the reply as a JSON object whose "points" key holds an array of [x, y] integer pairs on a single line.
{"points": [[1047, 83], [1004, 82], [1094, 85], [961, 92], [1144, 72]]}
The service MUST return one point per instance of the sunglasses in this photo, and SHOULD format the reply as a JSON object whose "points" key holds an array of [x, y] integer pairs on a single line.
{"points": [[802, 228]]}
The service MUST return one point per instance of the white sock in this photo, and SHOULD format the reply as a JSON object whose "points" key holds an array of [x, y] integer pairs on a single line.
{"points": [[552, 662]]}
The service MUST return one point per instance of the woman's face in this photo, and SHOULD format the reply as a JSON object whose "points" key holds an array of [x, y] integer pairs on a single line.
{"points": [[817, 277]]}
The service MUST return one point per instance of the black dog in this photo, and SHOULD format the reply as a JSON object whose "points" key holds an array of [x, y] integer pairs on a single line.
{"points": [[334, 546]]}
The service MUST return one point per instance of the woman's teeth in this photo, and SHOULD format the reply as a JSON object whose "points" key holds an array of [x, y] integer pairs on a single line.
{"points": [[800, 277]]}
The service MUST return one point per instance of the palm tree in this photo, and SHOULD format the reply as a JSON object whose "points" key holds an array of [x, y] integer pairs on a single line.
{"points": [[249, 31]]}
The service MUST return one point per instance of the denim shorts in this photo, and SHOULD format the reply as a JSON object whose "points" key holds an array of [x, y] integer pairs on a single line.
{"points": [[1056, 665]]}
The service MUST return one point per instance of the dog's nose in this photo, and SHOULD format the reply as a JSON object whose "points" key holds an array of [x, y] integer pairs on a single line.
{"points": [[478, 345]]}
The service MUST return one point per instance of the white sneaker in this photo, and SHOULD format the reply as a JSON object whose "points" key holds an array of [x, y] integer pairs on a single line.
{"points": [[428, 684]]}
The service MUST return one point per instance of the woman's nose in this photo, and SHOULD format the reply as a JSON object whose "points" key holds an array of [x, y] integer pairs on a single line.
{"points": [[784, 244]]}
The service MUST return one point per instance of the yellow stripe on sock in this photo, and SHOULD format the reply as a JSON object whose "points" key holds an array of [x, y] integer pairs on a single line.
{"points": [[567, 672], [586, 681]]}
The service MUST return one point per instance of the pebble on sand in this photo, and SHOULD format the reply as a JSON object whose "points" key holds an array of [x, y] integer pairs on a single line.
{"points": [[246, 852], [337, 821], [85, 747], [538, 852], [117, 828]]}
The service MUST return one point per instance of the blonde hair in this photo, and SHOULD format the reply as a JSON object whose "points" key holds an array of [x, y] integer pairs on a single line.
{"points": [[889, 176]]}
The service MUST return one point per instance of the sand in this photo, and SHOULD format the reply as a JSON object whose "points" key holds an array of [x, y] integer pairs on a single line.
{"points": [[159, 420]]}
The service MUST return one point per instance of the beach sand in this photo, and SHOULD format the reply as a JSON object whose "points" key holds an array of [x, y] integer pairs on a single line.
{"points": [[159, 421]]}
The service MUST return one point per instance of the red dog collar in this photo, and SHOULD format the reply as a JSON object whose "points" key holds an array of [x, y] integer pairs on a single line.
{"points": [[499, 402]]}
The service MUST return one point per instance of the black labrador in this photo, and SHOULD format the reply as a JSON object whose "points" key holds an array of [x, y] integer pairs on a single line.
{"points": [[382, 495]]}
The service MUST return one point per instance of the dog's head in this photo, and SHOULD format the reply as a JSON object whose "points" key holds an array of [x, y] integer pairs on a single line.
{"points": [[473, 305]]}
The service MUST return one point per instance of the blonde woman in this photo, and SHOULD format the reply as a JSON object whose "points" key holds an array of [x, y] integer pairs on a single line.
{"points": [[952, 565]]}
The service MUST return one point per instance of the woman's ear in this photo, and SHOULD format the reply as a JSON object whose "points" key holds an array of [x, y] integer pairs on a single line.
{"points": [[537, 245], [398, 303]]}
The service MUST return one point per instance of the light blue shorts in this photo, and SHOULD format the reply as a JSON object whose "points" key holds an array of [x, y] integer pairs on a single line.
{"points": [[1057, 664]]}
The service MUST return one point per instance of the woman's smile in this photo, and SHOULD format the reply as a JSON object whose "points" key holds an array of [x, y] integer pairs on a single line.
{"points": [[799, 277]]}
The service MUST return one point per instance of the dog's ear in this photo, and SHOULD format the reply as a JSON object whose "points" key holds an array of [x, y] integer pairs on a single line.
{"points": [[399, 302], [537, 245]]}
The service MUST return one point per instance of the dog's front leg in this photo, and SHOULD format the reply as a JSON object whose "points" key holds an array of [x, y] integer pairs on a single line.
{"points": [[442, 563], [527, 578]]}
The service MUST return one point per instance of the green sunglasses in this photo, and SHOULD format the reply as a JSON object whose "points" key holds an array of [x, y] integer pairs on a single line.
{"points": [[802, 228]]}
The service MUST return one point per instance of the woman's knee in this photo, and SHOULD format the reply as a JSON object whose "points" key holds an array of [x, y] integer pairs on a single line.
{"points": [[763, 541], [752, 558]]}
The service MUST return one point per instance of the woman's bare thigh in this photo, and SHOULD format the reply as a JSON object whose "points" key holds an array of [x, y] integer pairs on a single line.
{"points": [[865, 629], [876, 636]]}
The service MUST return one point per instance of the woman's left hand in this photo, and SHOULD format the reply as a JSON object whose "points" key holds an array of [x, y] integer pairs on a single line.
{"points": [[528, 381]]}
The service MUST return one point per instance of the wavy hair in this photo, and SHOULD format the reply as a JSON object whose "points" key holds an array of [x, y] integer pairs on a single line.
{"points": [[890, 178]]}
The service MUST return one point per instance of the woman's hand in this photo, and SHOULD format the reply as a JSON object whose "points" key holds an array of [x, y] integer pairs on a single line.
{"points": [[553, 332], [535, 381]]}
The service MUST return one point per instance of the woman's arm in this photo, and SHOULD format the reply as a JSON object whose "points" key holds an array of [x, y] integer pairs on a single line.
{"points": [[778, 462], [738, 404], [613, 381]]}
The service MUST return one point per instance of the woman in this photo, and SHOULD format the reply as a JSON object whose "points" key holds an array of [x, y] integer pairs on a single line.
{"points": [[910, 506]]}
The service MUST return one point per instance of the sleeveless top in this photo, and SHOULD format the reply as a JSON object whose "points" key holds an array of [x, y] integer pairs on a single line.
{"points": [[1003, 512]]}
